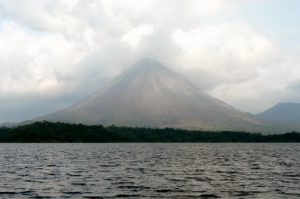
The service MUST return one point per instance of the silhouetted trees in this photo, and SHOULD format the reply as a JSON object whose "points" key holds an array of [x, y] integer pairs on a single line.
{"points": [[63, 132]]}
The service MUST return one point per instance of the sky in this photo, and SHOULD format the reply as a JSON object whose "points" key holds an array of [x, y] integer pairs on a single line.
{"points": [[55, 53]]}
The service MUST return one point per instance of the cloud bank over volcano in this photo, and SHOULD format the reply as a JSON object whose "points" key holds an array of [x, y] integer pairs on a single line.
{"points": [[65, 50]]}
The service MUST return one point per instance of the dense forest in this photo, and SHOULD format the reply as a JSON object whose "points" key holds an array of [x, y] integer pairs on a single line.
{"points": [[62, 132]]}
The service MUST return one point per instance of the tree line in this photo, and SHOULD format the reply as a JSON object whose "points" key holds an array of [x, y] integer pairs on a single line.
{"points": [[64, 132]]}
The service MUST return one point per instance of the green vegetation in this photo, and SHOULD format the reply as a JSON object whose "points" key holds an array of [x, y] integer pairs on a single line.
{"points": [[62, 132]]}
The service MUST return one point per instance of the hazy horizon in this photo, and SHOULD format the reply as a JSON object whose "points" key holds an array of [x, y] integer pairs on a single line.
{"points": [[56, 53]]}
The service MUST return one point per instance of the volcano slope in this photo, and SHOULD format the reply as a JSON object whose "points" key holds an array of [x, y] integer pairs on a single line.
{"points": [[151, 95]]}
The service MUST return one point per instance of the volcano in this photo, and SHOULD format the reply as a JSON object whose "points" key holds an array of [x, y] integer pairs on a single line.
{"points": [[151, 95]]}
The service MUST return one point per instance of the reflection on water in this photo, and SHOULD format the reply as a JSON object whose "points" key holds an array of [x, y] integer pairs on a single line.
{"points": [[150, 170]]}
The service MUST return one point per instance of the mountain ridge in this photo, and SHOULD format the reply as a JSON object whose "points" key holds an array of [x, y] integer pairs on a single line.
{"points": [[283, 112]]}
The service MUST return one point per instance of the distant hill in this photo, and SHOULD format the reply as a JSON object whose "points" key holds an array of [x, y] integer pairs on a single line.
{"points": [[283, 113]]}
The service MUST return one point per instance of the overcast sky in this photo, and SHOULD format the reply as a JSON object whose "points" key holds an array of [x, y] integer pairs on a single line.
{"points": [[54, 53]]}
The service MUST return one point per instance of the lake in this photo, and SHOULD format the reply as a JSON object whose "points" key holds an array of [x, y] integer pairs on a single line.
{"points": [[150, 170]]}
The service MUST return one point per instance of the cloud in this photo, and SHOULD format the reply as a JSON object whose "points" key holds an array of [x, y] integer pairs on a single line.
{"points": [[29, 60], [55, 53], [134, 36], [232, 51]]}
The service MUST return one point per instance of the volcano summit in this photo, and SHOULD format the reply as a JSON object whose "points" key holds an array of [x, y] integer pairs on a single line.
{"points": [[151, 95]]}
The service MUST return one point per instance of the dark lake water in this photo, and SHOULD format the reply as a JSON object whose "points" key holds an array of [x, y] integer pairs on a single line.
{"points": [[150, 170]]}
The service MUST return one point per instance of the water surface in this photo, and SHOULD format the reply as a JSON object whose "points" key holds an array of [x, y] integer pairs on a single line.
{"points": [[150, 170]]}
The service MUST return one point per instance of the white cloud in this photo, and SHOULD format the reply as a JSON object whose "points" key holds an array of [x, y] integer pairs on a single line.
{"points": [[29, 60], [134, 36], [216, 45]]}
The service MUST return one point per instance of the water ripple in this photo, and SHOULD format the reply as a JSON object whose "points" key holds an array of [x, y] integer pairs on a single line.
{"points": [[150, 170]]}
